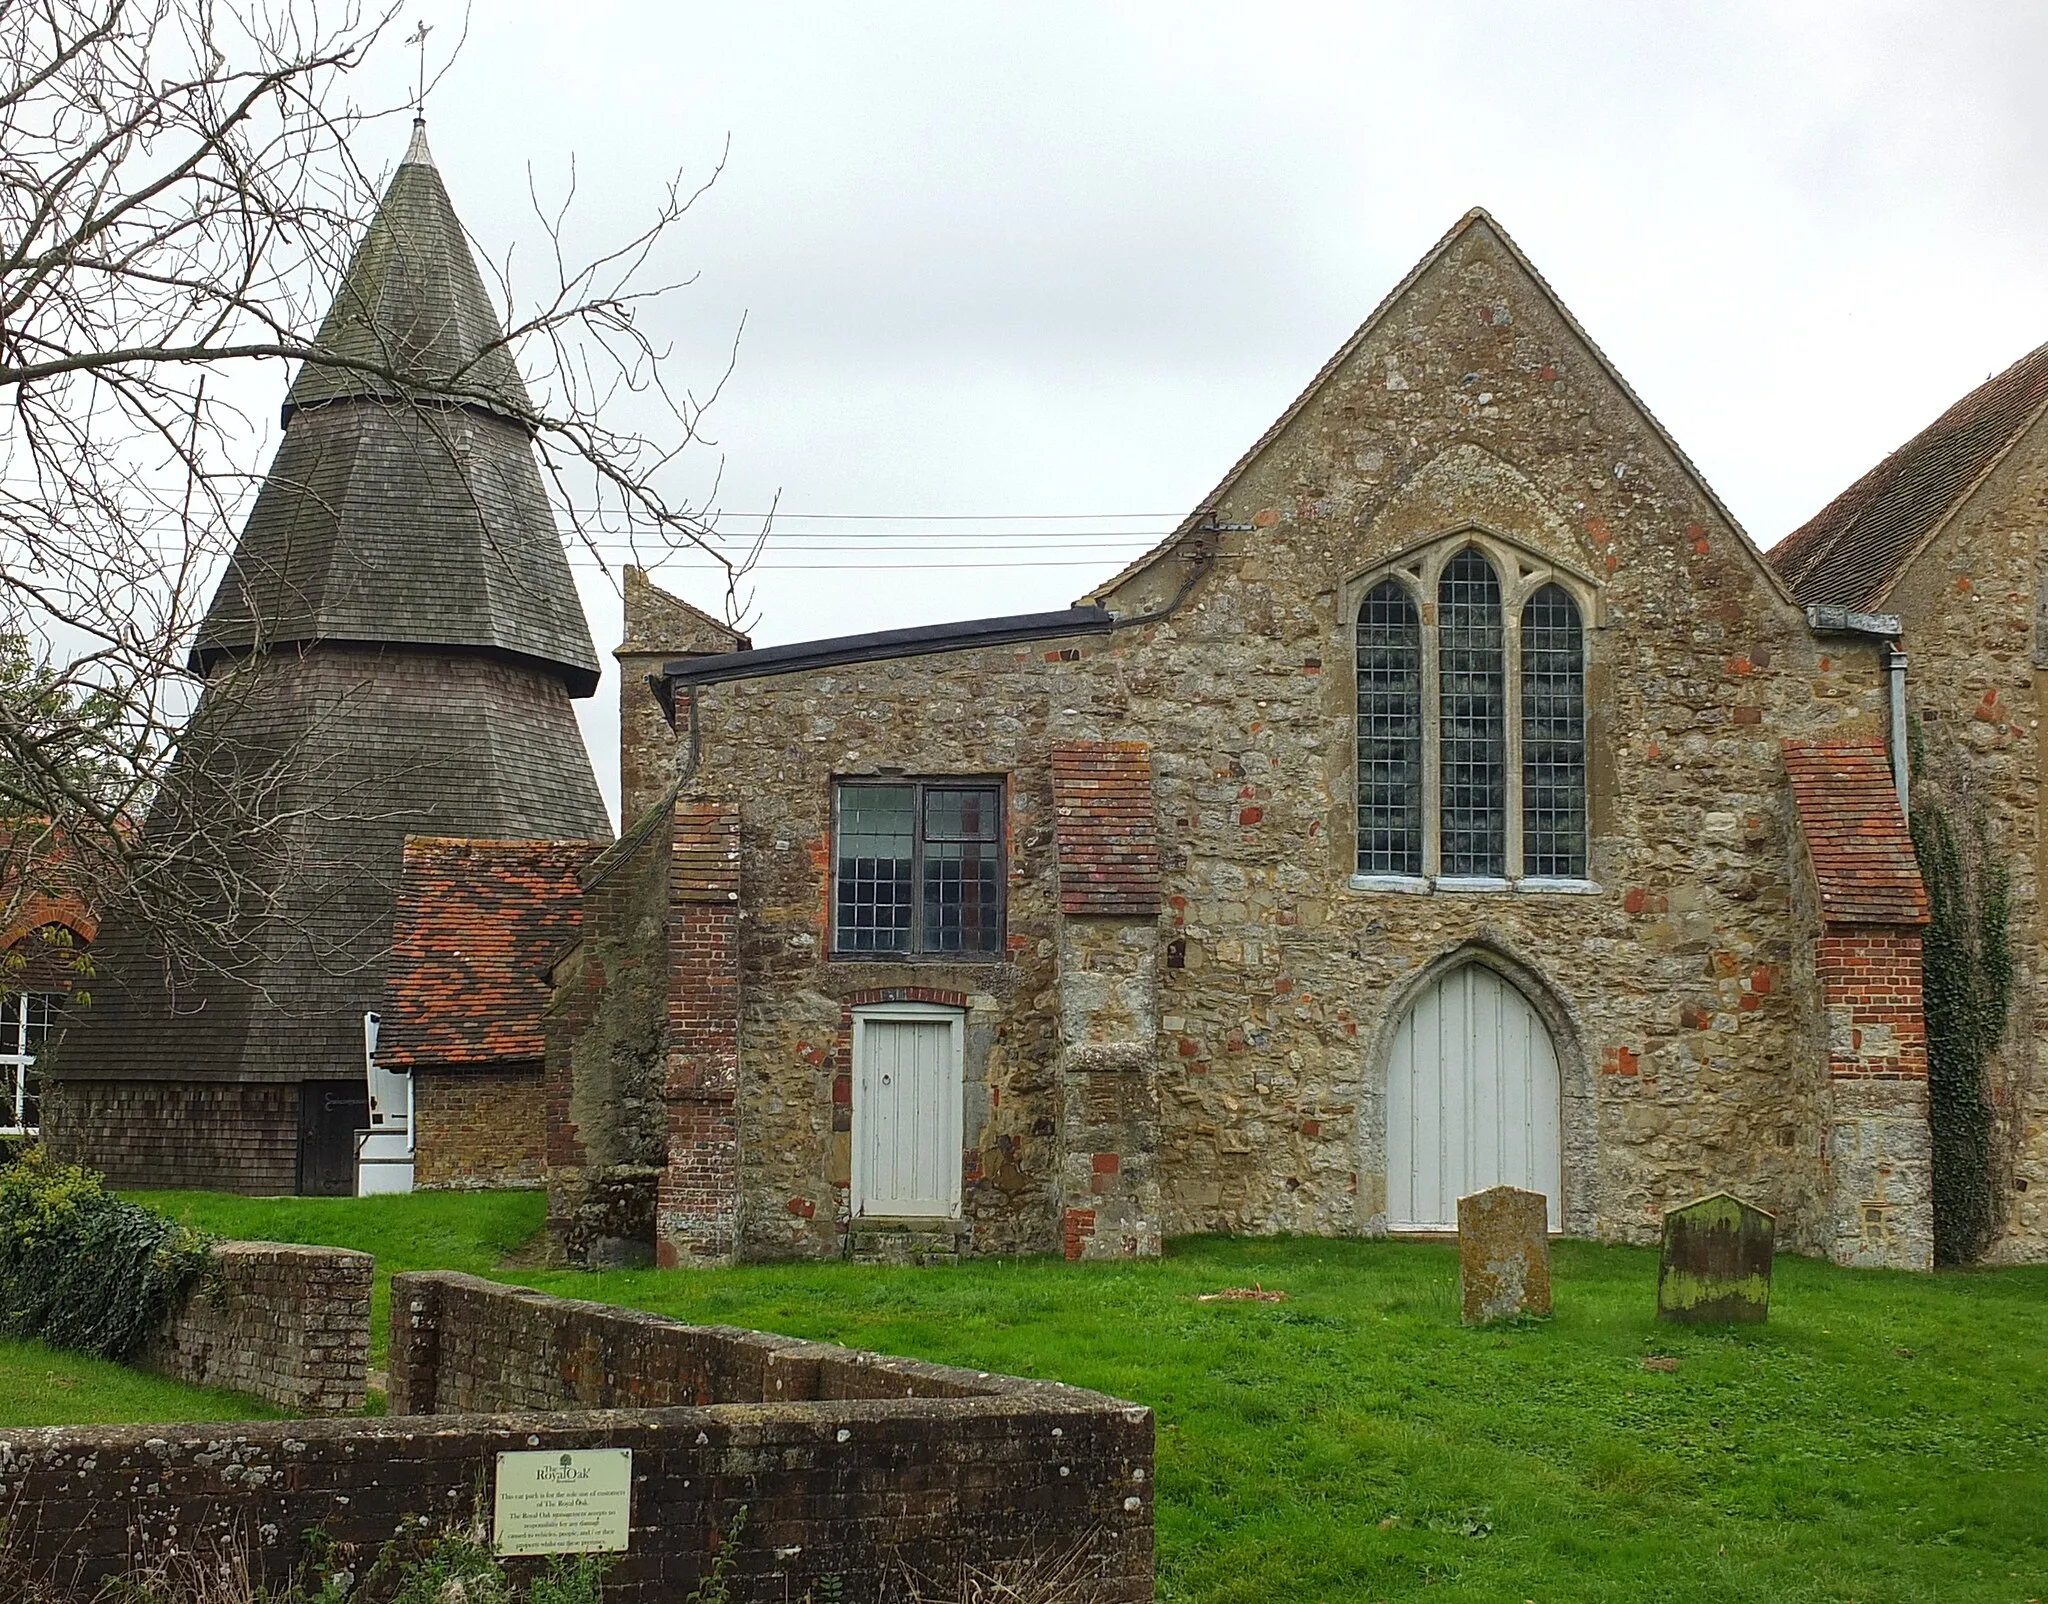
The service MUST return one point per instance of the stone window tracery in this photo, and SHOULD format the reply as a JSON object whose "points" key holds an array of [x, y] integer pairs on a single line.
{"points": [[1471, 724]]}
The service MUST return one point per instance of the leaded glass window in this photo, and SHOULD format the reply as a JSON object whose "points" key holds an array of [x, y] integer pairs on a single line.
{"points": [[919, 869], [1472, 695], [962, 878], [1389, 733], [1553, 736], [877, 840]]}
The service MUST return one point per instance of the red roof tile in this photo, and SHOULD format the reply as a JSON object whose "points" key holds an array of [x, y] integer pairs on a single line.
{"points": [[1849, 813], [1851, 552], [478, 922], [1106, 829]]}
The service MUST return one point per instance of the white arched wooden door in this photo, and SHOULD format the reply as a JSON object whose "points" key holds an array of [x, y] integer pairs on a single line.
{"points": [[1473, 1101]]}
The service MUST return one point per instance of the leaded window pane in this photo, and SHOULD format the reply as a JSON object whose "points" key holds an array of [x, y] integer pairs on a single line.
{"points": [[1472, 729], [877, 844], [1389, 733], [1553, 736], [962, 870]]}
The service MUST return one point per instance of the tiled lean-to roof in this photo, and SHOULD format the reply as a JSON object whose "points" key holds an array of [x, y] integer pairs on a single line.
{"points": [[1850, 553], [1106, 828], [477, 921], [1855, 832]]}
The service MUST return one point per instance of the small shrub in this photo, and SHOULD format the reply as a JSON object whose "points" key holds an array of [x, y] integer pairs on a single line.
{"points": [[83, 1269]]}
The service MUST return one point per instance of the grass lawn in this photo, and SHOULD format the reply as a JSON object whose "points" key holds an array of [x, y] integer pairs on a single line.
{"points": [[42, 1386], [1885, 1437], [470, 1231]]}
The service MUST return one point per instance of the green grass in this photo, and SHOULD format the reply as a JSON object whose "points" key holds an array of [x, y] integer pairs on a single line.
{"points": [[470, 1231], [42, 1386], [1884, 1438]]}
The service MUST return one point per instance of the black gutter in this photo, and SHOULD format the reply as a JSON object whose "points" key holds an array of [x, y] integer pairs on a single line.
{"points": [[882, 644]]}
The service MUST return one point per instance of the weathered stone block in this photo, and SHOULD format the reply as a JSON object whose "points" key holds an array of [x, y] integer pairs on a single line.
{"points": [[1716, 1266], [1503, 1254]]}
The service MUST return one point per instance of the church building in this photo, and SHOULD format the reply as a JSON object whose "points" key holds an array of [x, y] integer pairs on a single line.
{"points": [[1458, 796]]}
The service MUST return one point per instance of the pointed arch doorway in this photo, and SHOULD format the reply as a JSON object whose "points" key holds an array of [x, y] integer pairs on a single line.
{"points": [[1474, 1100]]}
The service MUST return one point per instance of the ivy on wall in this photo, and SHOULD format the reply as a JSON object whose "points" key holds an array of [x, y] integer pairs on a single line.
{"points": [[84, 1269], [1967, 970]]}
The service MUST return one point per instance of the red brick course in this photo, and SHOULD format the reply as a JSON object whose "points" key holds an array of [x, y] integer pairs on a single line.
{"points": [[1107, 830], [697, 1206], [1871, 983]]}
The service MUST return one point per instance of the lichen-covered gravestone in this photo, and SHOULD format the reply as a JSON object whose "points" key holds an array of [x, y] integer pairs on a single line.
{"points": [[1716, 1267], [1503, 1254]]}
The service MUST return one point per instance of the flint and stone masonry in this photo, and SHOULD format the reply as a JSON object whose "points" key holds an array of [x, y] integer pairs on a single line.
{"points": [[1190, 1020]]}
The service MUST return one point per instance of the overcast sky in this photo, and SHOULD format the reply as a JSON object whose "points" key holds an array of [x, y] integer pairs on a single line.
{"points": [[1071, 259]]}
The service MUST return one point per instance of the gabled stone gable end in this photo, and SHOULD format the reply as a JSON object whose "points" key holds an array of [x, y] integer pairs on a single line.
{"points": [[1198, 1013]]}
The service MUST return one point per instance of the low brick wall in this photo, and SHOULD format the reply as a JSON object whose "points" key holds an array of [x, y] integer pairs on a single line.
{"points": [[289, 1325], [857, 1476]]}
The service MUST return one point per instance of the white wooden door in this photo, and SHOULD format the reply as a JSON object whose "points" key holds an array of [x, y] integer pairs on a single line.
{"points": [[906, 1111], [1473, 1101]]}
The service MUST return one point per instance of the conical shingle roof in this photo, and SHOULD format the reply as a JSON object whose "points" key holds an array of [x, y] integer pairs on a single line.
{"points": [[404, 506], [414, 305], [391, 651]]}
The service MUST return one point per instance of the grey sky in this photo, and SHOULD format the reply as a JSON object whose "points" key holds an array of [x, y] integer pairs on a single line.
{"points": [[1073, 258]]}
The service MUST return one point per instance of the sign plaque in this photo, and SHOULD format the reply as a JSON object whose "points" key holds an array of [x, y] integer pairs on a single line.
{"points": [[563, 1501]]}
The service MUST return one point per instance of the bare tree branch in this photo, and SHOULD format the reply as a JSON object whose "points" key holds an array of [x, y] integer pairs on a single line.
{"points": [[180, 193]]}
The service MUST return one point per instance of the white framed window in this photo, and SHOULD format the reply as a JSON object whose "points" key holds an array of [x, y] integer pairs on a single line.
{"points": [[1471, 723], [24, 1026]]}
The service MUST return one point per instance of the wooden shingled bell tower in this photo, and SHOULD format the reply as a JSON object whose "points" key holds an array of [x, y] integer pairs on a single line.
{"points": [[393, 649]]}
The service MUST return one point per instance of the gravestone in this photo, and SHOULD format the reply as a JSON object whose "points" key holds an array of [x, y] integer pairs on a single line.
{"points": [[1503, 1254], [1716, 1266]]}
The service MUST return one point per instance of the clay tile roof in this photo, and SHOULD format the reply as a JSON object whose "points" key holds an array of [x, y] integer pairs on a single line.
{"points": [[1105, 828], [1851, 552], [477, 923], [1849, 813]]}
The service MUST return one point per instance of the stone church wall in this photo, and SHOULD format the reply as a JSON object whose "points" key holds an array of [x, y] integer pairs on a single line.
{"points": [[1689, 1061], [982, 713], [1977, 684], [607, 1131]]}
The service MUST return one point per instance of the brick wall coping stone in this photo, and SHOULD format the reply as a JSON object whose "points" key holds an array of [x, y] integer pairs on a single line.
{"points": [[463, 1343]]}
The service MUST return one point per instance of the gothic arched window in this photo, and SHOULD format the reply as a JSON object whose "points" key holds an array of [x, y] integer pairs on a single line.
{"points": [[1553, 737], [1389, 732], [1472, 714], [1472, 743]]}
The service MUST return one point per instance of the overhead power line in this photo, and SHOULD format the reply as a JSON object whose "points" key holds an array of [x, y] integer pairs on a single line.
{"points": [[784, 514], [873, 568]]}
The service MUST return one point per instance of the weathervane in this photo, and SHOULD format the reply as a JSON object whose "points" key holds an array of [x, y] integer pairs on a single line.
{"points": [[418, 39]]}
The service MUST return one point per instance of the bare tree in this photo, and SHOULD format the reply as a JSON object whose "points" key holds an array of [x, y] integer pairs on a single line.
{"points": [[180, 190]]}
